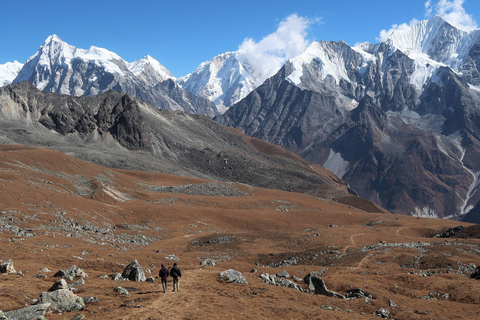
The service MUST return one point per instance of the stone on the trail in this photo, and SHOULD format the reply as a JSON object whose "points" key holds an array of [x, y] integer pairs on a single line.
{"points": [[46, 270], [36, 311], [134, 272], [62, 300], [122, 291], [59, 284], [232, 276], [116, 276], [151, 279], [7, 267], [283, 274], [208, 262]]}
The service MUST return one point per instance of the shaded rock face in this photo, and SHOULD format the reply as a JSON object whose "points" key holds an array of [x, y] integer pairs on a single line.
{"points": [[115, 130], [403, 134]]}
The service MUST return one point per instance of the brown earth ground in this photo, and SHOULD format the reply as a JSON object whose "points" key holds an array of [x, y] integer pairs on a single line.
{"points": [[57, 211]]}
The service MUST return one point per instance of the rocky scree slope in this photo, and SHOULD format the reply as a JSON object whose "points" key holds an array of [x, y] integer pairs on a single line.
{"points": [[399, 121], [115, 130]]}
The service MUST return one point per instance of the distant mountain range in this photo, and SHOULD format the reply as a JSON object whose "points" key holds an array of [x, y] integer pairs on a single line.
{"points": [[399, 120]]}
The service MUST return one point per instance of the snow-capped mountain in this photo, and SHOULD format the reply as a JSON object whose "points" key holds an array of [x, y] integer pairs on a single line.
{"points": [[398, 120], [224, 80], [63, 68], [8, 72]]}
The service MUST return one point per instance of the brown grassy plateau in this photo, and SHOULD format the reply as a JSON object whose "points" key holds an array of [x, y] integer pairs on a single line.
{"points": [[57, 211]]}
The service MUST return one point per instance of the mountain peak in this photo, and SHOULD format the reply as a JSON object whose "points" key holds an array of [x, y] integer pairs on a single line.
{"points": [[52, 38]]}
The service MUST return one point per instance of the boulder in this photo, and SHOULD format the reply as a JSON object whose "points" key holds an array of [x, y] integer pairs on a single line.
{"points": [[31, 312], [7, 267], [172, 257], [58, 285], [151, 279], [283, 274], [134, 272], [232, 276], [62, 300]]}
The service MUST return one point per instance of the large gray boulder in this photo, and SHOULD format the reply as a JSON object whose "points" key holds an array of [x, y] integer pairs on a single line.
{"points": [[62, 300], [232, 276], [134, 272]]}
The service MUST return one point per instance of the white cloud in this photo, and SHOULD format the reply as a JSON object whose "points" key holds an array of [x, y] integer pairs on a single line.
{"points": [[268, 55], [428, 8], [385, 34], [453, 12]]}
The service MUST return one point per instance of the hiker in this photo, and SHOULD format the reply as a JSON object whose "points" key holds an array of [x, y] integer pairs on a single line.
{"points": [[163, 274], [175, 273]]}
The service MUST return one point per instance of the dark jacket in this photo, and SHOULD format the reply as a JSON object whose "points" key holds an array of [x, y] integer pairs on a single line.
{"points": [[175, 272], [163, 273]]}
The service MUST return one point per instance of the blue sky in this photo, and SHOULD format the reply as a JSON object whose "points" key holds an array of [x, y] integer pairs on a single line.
{"points": [[183, 33]]}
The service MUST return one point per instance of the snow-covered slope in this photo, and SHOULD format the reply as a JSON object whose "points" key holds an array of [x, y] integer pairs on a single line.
{"points": [[224, 80], [8, 72], [63, 68]]}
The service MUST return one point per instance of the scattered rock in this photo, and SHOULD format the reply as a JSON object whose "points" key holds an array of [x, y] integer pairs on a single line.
{"points": [[62, 300], [116, 277], [208, 262], [7, 267], [122, 291], [134, 272], [150, 279], [59, 284], [450, 233], [232, 276], [382, 313], [79, 317], [283, 274], [279, 281], [74, 285], [71, 273], [172, 257], [90, 300], [297, 279], [254, 270]]}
